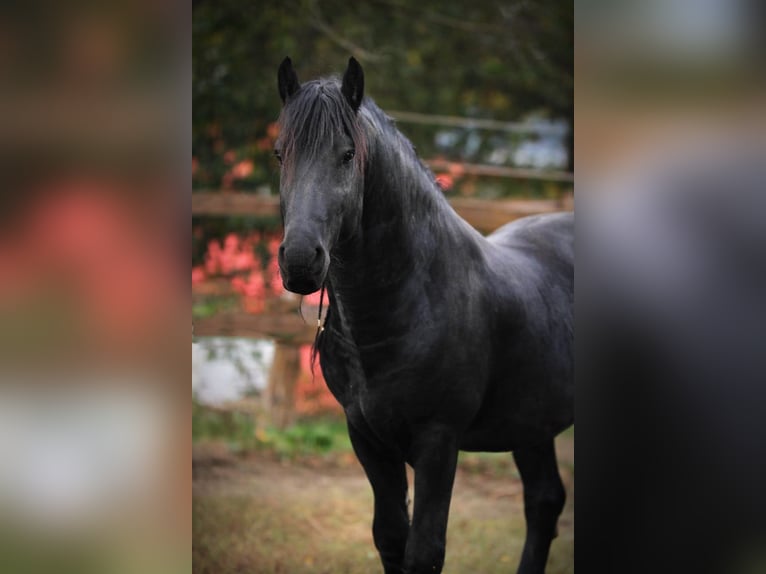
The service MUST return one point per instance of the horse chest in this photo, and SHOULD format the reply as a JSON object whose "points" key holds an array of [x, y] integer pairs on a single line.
{"points": [[392, 403], [399, 377], [381, 404]]}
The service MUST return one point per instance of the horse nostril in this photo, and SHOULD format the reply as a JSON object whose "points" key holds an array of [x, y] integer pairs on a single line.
{"points": [[297, 255]]}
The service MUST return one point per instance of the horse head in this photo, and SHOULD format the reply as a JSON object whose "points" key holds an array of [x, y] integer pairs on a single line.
{"points": [[321, 150]]}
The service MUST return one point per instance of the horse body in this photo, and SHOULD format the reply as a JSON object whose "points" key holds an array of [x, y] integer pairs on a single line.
{"points": [[436, 339], [530, 392]]}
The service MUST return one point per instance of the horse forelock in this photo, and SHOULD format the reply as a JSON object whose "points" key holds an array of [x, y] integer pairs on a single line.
{"points": [[312, 119]]}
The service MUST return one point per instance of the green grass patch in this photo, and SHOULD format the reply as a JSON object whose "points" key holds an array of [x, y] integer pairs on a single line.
{"points": [[214, 304], [236, 429], [241, 432], [308, 438]]}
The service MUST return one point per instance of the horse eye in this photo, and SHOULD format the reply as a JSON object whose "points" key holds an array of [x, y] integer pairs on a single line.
{"points": [[348, 156], [278, 155]]}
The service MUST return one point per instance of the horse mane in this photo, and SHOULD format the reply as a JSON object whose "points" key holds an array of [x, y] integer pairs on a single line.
{"points": [[419, 192], [313, 117]]}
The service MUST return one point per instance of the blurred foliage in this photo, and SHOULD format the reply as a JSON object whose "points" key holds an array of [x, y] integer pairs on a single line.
{"points": [[235, 428], [308, 437], [239, 431], [500, 60], [212, 305]]}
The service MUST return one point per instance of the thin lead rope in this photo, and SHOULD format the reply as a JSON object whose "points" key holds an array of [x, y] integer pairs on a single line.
{"points": [[320, 327]]}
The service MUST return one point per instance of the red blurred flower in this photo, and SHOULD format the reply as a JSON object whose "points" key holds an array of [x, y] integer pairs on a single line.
{"points": [[101, 252], [198, 274], [311, 393], [242, 169], [237, 256], [445, 181], [273, 130]]}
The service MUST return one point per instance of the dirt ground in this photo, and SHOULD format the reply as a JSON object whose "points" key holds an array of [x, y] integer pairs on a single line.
{"points": [[259, 515]]}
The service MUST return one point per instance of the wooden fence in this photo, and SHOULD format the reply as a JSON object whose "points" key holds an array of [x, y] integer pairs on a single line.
{"points": [[485, 215], [281, 320]]}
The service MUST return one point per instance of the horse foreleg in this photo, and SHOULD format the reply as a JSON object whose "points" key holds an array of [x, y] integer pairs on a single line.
{"points": [[544, 497], [388, 478], [434, 457]]}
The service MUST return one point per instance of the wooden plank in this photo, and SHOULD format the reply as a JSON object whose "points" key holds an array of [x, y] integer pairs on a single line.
{"points": [[213, 286], [473, 123], [225, 203], [284, 327], [501, 171], [485, 215]]}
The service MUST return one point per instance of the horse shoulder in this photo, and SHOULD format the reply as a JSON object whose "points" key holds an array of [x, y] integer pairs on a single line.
{"points": [[532, 282]]}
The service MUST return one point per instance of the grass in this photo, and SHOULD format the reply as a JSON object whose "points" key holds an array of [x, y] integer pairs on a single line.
{"points": [[242, 434], [260, 534], [296, 501], [236, 429], [276, 518]]}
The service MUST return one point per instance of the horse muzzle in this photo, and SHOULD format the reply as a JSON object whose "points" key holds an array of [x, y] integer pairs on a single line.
{"points": [[303, 266]]}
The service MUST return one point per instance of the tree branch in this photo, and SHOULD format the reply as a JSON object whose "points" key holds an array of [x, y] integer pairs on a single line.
{"points": [[317, 22]]}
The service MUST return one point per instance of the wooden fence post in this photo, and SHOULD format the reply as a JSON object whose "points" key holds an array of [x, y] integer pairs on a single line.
{"points": [[283, 377]]}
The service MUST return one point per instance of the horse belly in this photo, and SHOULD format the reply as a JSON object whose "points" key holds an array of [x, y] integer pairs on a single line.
{"points": [[518, 414], [504, 436]]}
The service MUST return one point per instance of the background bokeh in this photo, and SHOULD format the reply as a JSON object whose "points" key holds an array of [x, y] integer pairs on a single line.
{"points": [[96, 126], [669, 306], [94, 328]]}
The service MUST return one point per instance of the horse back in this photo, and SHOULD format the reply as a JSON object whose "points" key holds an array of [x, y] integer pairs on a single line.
{"points": [[549, 235]]}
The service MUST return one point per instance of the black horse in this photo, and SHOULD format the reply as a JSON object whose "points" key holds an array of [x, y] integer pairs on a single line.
{"points": [[437, 339]]}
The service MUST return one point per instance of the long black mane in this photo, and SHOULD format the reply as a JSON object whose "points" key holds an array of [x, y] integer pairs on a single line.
{"points": [[413, 182]]}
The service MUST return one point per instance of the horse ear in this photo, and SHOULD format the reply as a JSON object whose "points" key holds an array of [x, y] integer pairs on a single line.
{"points": [[287, 80], [353, 84]]}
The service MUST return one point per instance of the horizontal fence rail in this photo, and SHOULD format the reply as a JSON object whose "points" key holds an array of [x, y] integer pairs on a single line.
{"points": [[287, 327], [501, 171], [485, 215], [470, 123]]}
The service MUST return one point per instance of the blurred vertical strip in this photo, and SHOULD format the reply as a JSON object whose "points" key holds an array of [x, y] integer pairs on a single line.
{"points": [[671, 286], [95, 138]]}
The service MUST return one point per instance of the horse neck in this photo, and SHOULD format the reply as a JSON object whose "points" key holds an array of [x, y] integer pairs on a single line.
{"points": [[406, 226]]}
